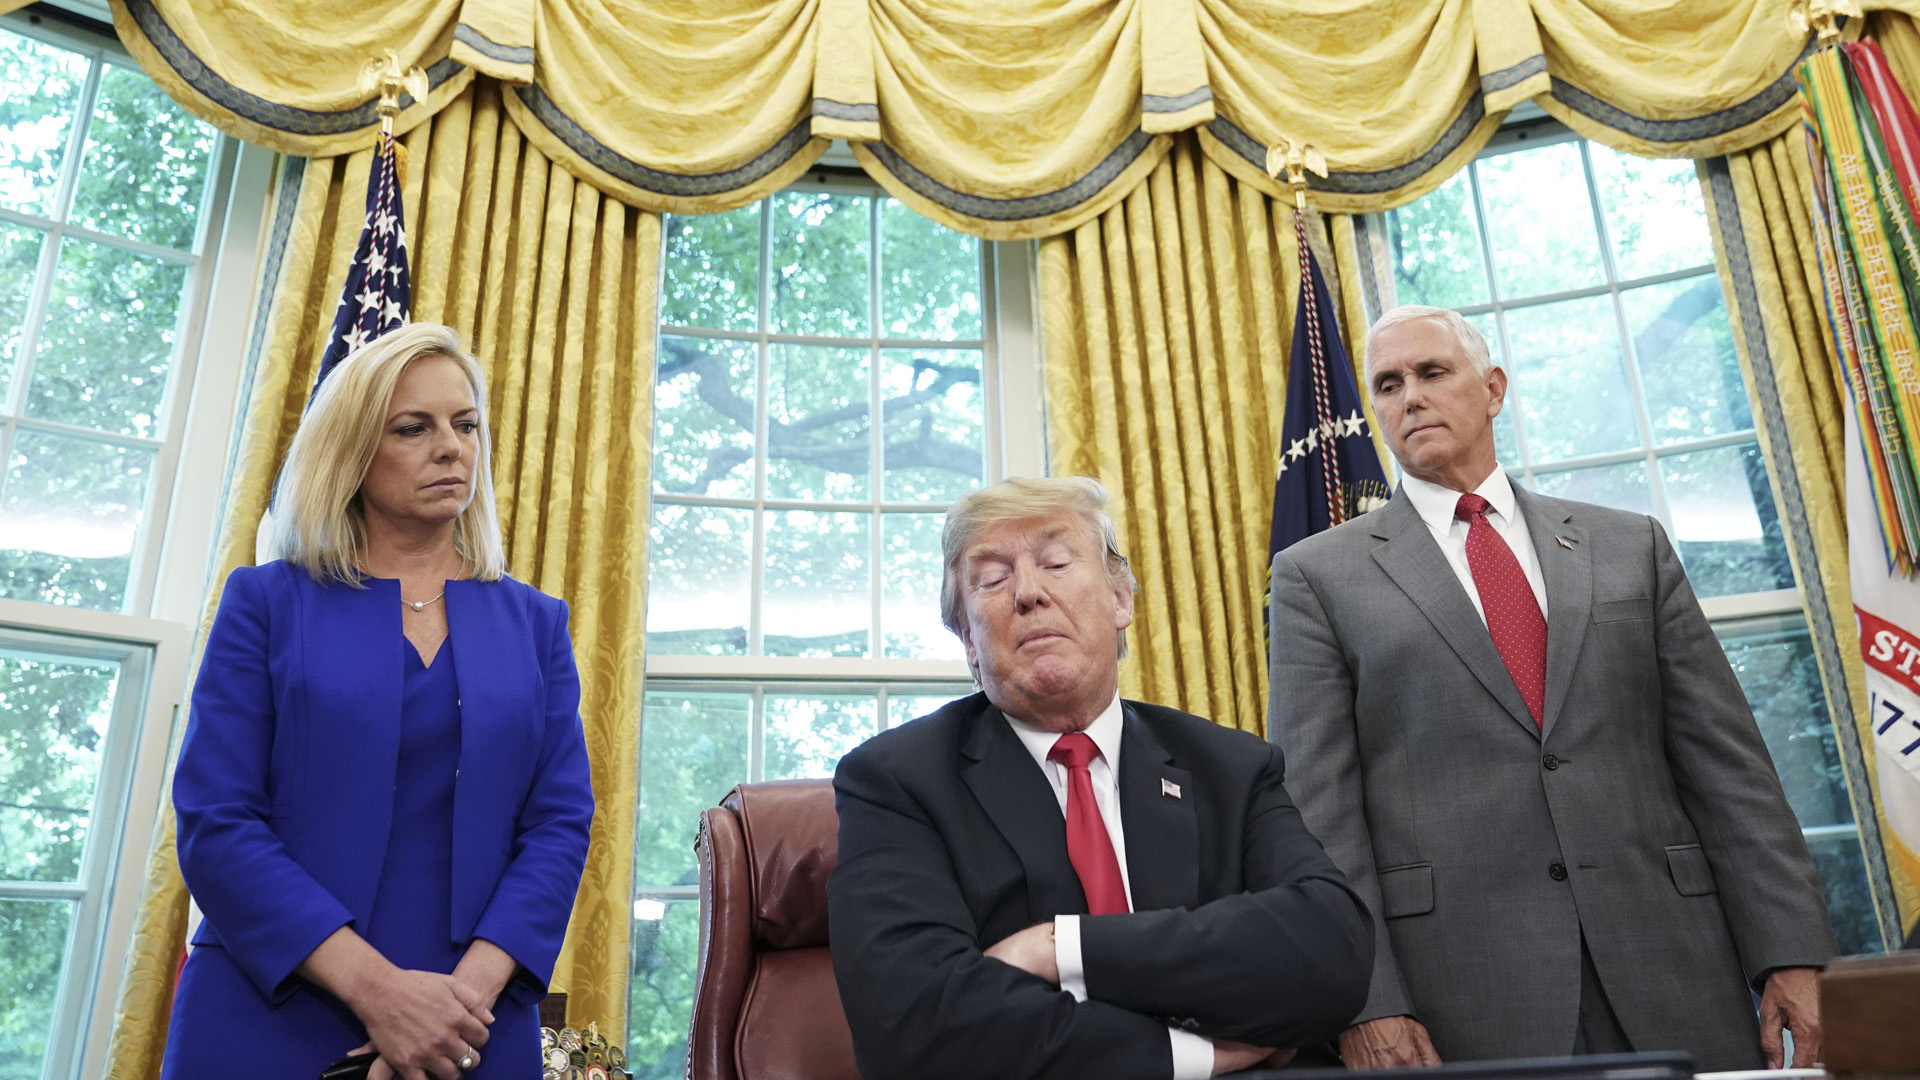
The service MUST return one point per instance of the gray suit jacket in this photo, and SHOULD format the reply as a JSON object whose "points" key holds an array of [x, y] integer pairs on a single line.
{"points": [[1644, 815]]}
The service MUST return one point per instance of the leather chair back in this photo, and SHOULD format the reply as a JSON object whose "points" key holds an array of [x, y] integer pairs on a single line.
{"points": [[765, 1005]]}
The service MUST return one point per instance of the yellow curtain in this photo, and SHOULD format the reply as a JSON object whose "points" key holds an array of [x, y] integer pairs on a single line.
{"points": [[1167, 322], [553, 285], [1758, 205], [1005, 120]]}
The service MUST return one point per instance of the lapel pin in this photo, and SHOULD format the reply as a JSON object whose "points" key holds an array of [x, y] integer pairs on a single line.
{"points": [[1564, 542], [1168, 787]]}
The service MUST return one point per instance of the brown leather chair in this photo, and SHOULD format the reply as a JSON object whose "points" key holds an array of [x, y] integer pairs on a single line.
{"points": [[765, 1006]]}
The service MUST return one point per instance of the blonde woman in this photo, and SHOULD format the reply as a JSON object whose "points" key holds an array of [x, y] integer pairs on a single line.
{"points": [[382, 795]]}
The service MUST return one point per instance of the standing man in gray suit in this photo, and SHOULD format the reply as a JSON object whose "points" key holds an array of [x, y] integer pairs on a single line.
{"points": [[1510, 724]]}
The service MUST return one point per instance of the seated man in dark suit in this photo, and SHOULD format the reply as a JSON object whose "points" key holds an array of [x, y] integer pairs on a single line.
{"points": [[1043, 880]]}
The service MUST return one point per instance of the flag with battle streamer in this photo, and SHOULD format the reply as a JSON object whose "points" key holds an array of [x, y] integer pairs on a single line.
{"points": [[1863, 138]]}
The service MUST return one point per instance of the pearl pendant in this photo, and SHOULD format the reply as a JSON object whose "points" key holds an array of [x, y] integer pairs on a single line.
{"points": [[417, 605]]}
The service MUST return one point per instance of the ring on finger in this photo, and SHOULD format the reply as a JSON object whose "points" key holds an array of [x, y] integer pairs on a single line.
{"points": [[467, 1062]]}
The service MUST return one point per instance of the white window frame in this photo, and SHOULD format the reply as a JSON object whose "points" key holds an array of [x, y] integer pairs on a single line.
{"points": [[170, 576], [1012, 384], [1013, 390]]}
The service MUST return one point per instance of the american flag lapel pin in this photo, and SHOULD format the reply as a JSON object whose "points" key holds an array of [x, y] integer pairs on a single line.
{"points": [[1168, 787], [1564, 542]]}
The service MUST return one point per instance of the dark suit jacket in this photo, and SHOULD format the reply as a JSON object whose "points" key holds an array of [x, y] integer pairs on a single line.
{"points": [[284, 789], [1646, 816], [951, 839]]}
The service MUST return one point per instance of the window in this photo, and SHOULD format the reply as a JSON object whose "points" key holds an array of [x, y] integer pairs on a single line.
{"points": [[827, 386], [103, 180], [68, 713], [1591, 274], [117, 212]]}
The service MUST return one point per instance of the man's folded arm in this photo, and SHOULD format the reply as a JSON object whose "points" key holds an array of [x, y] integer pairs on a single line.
{"points": [[921, 998], [1284, 964]]}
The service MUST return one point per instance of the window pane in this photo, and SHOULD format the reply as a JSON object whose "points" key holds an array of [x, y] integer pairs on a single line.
{"points": [[145, 166], [108, 340], [54, 712], [703, 419], [40, 88], [901, 708], [929, 277], [1436, 248], [69, 513], [1568, 376], [1687, 363], [1724, 522], [1774, 661], [1540, 221], [712, 266], [817, 403], [910, 589], [33, 938], [19, 259], [807, 733], [820, 248], [698, 579], [1655, 217], [1843, 875], [818, 568], [934, 416], [1623, 487], [693, 750], [666, 949]]}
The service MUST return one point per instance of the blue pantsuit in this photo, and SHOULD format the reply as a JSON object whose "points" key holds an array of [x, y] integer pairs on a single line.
{"points": [[329, 777]]}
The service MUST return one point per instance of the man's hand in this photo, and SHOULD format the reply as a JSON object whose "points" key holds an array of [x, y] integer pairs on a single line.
{"points": [[1030, 950], [1791, 998], [1388, 1042], [1231, 1057]]}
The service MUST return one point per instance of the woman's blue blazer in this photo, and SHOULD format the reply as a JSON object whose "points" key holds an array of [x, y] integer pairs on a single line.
{"points": [[284, 788]]}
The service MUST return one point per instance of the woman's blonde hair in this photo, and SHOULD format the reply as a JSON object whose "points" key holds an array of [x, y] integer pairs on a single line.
{"points": [[318, 522], [1024, 498]]}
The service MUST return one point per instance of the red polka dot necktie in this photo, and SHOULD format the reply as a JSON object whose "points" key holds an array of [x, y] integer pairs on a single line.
{"points": [[1089, 847], [1513, 612]]}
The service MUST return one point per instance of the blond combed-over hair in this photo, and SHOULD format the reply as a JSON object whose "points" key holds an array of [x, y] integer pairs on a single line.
{"points": [[318, 522], [1026, 498]]}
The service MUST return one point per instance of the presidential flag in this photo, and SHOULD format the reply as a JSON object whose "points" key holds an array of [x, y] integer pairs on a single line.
{"points": [[1329, 470], [378, 292], [1864, 141]]}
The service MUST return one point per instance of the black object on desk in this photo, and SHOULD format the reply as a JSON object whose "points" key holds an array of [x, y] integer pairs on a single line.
{"points": [[1654, 1066]]}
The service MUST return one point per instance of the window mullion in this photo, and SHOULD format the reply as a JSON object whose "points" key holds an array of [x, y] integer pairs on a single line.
{"points": [[876, 432], [77, 138], [762, 417], [1629, 356]]}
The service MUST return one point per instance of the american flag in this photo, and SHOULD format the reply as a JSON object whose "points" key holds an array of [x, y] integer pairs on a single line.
{"points": [[1329, 470], [379, 291]]}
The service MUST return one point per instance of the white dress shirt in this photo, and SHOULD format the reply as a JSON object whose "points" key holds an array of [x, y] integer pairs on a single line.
{"points": [[1436, 504], [1192, 1054]]}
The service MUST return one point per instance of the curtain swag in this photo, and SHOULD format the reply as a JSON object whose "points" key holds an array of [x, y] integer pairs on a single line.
{"points": [[1007, 121]]}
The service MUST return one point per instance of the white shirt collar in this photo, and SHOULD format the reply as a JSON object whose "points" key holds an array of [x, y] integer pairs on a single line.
{"points": [[1104, 731], [1435, 503]]}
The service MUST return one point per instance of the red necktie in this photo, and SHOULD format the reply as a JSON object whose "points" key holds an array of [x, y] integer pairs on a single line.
{"points": [[1088, 845], [1513, 612]]}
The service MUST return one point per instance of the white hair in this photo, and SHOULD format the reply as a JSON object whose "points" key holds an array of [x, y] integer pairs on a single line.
{"points": [[1472, 343]]}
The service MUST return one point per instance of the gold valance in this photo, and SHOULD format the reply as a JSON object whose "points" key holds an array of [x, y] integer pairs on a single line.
{"points": [[1005, 119]]}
